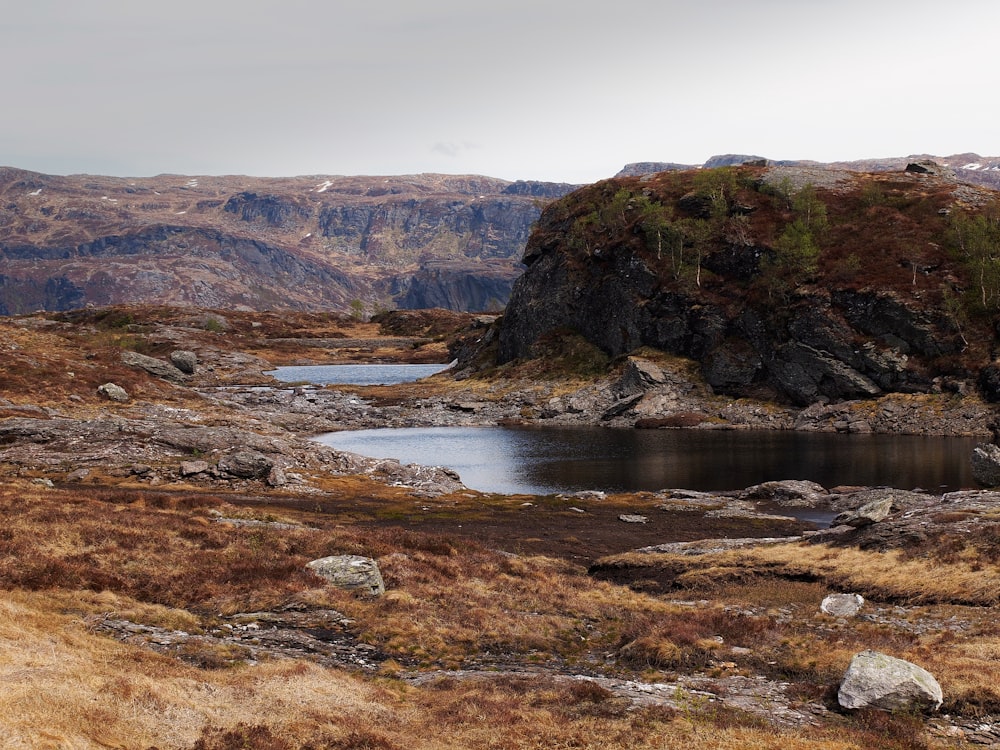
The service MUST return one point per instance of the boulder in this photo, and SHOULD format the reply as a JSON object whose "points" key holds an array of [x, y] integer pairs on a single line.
{"points": [[638, 376], [246, 465], [789, 492], [876, 680], [155, 367], [113, 392], [873, 511], [632, 518], [986, 464], [184, 360], [350, 572], [191, 468], [842, 605]]}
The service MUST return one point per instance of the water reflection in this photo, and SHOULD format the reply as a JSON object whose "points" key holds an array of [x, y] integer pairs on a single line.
{"points": [[559, 459], [387, 374]]}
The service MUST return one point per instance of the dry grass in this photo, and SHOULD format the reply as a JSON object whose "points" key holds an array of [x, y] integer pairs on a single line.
{"points": [[160, 560]]}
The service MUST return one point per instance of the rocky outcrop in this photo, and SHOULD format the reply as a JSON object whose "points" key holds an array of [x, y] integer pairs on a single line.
{"points": [[876, 680], [608, 280]]}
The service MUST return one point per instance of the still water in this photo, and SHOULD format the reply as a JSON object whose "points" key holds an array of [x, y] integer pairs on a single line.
{"points": [[540, 460], [354, 374]]}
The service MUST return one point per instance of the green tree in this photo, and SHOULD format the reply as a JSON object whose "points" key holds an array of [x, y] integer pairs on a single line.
{"points": [[976, 243], [795, 256]]}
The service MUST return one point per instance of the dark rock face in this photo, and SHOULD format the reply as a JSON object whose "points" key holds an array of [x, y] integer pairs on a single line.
{"points": [[814, 344], [272, 209], [458, 288]]}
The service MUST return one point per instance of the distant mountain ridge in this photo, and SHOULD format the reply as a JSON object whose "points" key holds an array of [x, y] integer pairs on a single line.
{"points": [[309, 243], [967, 167]]}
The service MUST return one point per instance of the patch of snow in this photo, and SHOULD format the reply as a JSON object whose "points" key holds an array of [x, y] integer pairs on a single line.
{"points": [[191, 183], [37, 192], [308, 236], [974, 165], [321, 188], [181, 212], [110, 200]]}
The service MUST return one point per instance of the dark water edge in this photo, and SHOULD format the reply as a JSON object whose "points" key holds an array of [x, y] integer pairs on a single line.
{"points": [[382, 374], [542, 459]]}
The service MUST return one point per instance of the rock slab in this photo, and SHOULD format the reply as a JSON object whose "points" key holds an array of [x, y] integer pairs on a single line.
{"points": [[876, 680], [350, 572]]}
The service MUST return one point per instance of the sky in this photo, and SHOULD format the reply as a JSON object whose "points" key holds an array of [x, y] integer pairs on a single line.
{"points": [[558, 90]]}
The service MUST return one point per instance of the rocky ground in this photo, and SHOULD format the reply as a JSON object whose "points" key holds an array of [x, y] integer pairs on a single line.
{"points": [[197, 414]]}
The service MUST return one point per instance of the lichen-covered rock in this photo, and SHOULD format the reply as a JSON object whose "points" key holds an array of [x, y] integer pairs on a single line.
{"points": [[873, 511], [191, 468], [842, 605], [113, 392], [155, 367], [876, 680], [246, 465], [350, 572], [185, 361]]}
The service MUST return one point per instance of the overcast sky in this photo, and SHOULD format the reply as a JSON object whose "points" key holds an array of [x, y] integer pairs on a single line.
{"points": [[562, 90]]}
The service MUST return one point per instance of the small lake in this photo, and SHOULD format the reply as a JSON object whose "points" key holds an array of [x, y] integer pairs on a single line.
{"points": [[381, 374], [540, 460]]}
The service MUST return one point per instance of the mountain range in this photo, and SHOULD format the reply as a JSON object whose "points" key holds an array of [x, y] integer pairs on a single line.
{"points": [[351, 243]]}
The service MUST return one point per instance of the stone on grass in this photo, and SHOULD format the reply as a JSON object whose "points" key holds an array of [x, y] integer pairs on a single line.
{"points": [[842, 605], [876, 680], [113, 392], [632, 518], [350, 572]]}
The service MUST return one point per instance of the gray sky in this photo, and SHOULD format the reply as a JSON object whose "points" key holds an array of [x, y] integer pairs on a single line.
{"points": [[563, 90]]}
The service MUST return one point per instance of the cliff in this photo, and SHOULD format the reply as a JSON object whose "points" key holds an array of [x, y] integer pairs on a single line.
{"points": [[793, 284], [307, 243]]}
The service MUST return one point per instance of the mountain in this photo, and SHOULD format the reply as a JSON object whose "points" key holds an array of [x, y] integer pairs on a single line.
{"points": [[308, 243], [790, 283]]}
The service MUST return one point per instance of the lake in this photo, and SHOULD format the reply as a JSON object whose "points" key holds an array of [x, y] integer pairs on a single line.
{"points": [[380, 374], [541, 460]]}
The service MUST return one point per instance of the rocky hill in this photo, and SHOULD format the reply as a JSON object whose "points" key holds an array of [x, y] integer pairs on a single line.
{"points": [[795, 284], [308, 243]]}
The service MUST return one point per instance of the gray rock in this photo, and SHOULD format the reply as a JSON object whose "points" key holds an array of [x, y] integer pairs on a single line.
{"points": [[790, 492], [633, 518], [246, 465], [184, 360], [191, 468], [873, 511], [986, 464], [113, 392], [156, 367], [639, 376], [876, 680], [350, 572], [842, 605], [78, 476]]}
